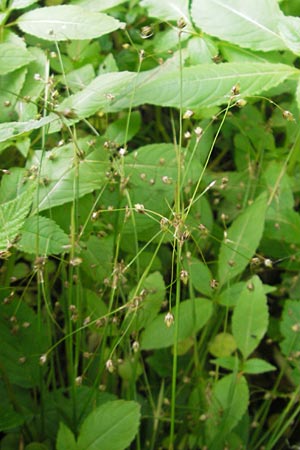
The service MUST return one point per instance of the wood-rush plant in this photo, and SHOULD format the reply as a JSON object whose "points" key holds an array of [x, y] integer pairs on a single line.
{"points": [[149, 238]]}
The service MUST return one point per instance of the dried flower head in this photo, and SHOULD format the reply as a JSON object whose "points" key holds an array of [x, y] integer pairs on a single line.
{"points": [[169, 319]]}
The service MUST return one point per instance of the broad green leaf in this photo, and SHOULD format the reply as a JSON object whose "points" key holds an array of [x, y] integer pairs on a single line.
{"points": [[65, 438], [168, 9], [97, 95], [193, 315], [111, 426], [230, 398], [246, 23], [36, 446], [242, 240], [203, 85], [10, 87], [9, 419], [12, 130], [95, 307], [200, 276], [42, 236], [23, 341], [13, 57], [289, 31], [19, 4], [117, 131], [290, 328], [97, 256], [250, 317], [256, 366], [223, 344], [32, 88], [12, 217], [64, 22], [60, 176], [80, 78], [95, 5]]}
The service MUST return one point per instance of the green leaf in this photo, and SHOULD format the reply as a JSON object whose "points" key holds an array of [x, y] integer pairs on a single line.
{"points": [[248, 24], [10, 87], [204, 85], [12, 217], [23, 341], [60, 173], [111, 426], [230, 398], [243, 238], [97, 95], [13, 57], [9, 419], [117, 131], [250, 317], [168, 9], [200, 276], [193, 315], [290, 328], [13, 130], [223, 344], [19, 4], [289, 31], [97, 256], [64, 22], [42, 236], [65, 438], [95, 5], [256, 366]]}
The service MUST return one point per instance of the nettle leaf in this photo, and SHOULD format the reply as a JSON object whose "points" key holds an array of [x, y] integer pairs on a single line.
{"points": [[290, 327], [111, 426], [66, 22], [243, 238], [12, 217], [230, 398], [203, 85], [289, 31], [248, 24], [193, 315], [13, 57], [65, 438], [250, 317], [42, 236], [60, 174]]}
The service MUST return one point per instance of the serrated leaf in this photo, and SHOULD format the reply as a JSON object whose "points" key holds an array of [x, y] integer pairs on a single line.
{"points": [[248, 24], [203, 85], [95, 5], [66, 22], [111, 426], [242, 240], [192, 316], [250, 317], [42, 236], [13, 57], [290, 328], [256, 366], [12, 217], [230, 398], [65, 438], [289, 31]]}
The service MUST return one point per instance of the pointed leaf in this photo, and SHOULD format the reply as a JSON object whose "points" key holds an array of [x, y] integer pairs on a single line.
{"points": [[12, 57], [246, 23], [256, 366], [42, 236], [203, 85], [290, 328], [12, 130], [243, 238], [168, 9], [193, 315], [250, 317], [230, 398], [65, 438], [64, 22], [111, 426]]}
